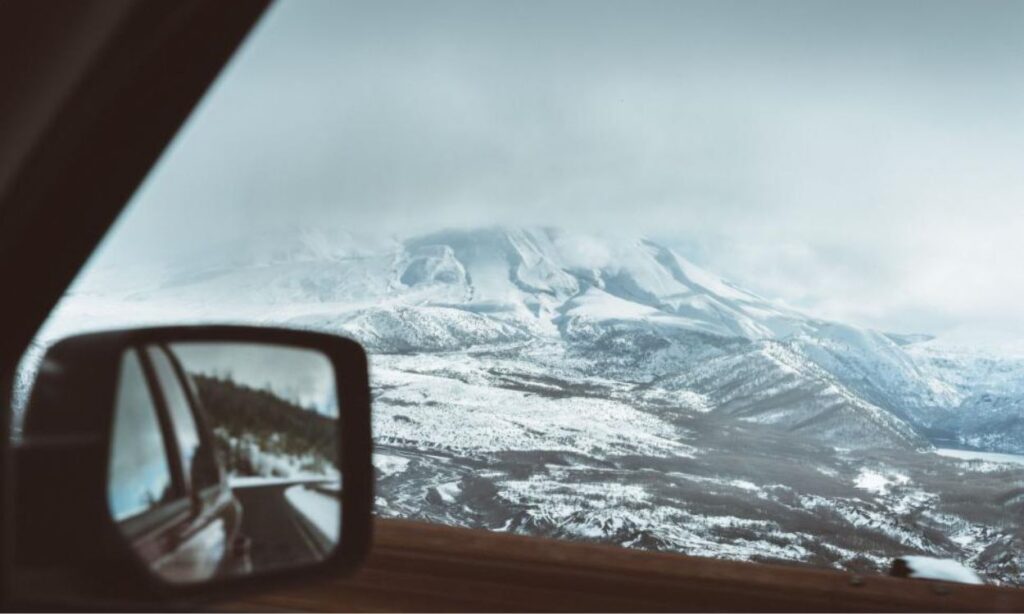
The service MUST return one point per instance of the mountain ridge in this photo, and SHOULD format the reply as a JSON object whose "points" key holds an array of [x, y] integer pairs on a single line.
{"points": [[628, 306]]}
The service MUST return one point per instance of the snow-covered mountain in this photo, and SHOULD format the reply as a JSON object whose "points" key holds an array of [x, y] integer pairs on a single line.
{"points": [[591, 387], [987, 412], [630, 307]]}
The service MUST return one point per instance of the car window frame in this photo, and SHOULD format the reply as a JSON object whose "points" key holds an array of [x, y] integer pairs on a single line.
{"points": [[30, 307], [100, 124], [204, 496], [203, 441]]}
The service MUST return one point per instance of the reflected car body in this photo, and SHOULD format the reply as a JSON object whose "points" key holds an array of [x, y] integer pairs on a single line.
{"points": [[193, 532]]}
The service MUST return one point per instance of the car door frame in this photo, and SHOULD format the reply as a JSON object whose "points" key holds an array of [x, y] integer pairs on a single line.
{"points": [[86, 98]]}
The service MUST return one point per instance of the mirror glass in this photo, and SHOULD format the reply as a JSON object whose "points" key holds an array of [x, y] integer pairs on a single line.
{"points": [[224, 458]]}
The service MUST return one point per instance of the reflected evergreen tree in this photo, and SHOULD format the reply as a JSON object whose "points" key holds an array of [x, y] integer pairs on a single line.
{"points": [[238, 413]]}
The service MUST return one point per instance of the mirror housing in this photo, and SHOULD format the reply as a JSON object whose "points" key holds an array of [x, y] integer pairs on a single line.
{"points": [[67, 545]]}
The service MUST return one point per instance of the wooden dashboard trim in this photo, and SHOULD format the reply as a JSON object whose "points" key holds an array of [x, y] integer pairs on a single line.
{"points": [[416, 566]]}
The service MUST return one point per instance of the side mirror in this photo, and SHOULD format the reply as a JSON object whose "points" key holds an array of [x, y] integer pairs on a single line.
{"points": [[177, 462]]}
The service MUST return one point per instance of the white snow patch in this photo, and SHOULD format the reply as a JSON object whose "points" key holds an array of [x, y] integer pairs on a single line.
{"points": [[744, 485], [940, 569], [449, 491], [390, 464], [878, 483], [975, 455]]}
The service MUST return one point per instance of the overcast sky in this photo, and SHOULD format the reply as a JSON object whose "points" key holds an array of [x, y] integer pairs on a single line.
{"points": [[861, 160]]}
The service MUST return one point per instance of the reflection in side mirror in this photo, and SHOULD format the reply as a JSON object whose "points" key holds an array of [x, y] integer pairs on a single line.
{"points": [[181, 461], [224, 459]]}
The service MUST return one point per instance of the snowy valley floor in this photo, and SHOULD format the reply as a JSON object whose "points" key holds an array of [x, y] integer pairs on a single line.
{"points": [[523, 441]]}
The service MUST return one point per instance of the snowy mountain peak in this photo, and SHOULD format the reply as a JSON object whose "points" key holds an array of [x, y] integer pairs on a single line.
{"points": [[624, 304], [543, 269]]}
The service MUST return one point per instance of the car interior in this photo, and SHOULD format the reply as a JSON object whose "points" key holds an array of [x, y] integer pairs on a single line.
{"points": [[323, 305]]}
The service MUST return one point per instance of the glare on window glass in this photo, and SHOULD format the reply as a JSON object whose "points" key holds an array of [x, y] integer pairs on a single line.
{"points": [[730, 279]]}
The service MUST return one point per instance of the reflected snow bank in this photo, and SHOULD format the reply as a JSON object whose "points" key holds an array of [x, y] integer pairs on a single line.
{"points": [[250, 481], [322, 510]]}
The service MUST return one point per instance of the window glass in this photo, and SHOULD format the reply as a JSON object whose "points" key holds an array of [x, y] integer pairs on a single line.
{"points": [[140, 477], [197, 462], [731, 279]]}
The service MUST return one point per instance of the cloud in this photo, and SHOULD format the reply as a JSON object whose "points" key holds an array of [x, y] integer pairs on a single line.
{"points": [[857, 159]]}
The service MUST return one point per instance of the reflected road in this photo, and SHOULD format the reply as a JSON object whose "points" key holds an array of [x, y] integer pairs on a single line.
{"points": [[281, 536]]}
